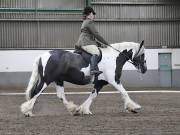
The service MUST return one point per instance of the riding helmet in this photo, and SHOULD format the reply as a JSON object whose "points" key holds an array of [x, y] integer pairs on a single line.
{"points": [[88, 10]]}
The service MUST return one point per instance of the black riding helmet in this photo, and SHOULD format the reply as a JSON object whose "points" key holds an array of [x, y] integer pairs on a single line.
{"points": [[88, 10]]}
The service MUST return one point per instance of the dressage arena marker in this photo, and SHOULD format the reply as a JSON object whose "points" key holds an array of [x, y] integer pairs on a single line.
{"points": [[84, 93]]}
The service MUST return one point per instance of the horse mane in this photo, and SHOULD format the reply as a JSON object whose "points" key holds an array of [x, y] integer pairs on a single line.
{"points": [[126, 46]]}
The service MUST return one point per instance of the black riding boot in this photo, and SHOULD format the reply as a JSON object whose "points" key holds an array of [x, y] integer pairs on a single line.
{"points": [[93, 65]]}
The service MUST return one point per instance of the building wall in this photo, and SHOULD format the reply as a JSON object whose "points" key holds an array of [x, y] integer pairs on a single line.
{"points": [[44, 24]]}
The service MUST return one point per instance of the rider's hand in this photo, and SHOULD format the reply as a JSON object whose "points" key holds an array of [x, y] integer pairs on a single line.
{"points": [[103, 46]]}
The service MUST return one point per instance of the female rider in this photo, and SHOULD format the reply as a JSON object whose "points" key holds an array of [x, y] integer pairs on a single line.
{"points": [[87, 39]]}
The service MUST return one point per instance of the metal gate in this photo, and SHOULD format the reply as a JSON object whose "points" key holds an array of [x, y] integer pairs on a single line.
{"points": [[165, 69]]}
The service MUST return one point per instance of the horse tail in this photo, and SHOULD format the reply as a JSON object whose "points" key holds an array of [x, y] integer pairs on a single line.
{"points": [[34, 79]]}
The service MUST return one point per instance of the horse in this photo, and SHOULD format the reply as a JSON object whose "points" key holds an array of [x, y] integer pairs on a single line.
{"points": [[57, 66]]}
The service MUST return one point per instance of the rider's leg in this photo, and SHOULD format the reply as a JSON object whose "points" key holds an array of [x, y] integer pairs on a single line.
{"points": [[93, 49], [93, 65]]}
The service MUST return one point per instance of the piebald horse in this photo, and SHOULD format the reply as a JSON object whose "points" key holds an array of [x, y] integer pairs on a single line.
{"points": [[58, 66]]}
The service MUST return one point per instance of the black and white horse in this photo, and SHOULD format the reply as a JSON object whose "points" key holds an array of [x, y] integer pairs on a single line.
{"points": [[59, 65]]}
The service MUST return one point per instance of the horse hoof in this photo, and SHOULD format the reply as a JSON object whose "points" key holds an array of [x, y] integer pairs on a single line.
{"points": [[90, 113], [76, 113], [136, 110], [26, 115], [82, 111], [29, 115], [87, 113]]}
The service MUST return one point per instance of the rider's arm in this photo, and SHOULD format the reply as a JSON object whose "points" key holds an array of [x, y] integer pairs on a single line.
{"points": [[93, 30]]}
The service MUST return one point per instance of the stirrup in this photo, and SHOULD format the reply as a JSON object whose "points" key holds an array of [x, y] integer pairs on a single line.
{"points": [[95, 72]]}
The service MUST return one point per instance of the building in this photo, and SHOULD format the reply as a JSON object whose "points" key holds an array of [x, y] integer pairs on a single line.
{"points": [[30, 27]]}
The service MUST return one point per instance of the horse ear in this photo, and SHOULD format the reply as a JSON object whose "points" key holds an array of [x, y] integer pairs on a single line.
{"points": [[142, 43], [141, 48]]}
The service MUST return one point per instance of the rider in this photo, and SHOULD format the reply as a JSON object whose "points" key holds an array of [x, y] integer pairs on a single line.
{"points": [[87, 39]]}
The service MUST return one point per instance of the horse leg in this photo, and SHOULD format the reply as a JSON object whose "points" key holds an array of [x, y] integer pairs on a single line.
{"points": [[60, 91], [71, 107], [27, 107], [129, 104], [85, 107]]}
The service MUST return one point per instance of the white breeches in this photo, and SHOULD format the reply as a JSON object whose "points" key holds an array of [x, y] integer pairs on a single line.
{"points": [[93, 49]]}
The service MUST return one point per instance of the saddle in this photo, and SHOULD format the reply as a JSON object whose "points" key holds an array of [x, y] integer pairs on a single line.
{"points": [[86, 55]]}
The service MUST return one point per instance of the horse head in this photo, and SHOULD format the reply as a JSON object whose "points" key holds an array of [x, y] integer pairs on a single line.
{"points": [[139, 59]]}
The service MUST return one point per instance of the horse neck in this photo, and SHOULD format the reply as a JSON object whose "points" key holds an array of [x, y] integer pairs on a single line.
{"points": [[115, 55], [126, 46], [109, 52]]}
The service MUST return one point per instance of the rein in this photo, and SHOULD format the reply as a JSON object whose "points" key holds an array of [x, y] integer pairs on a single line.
{"points": [[123, 54]]}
